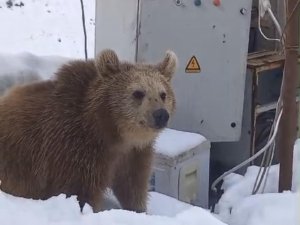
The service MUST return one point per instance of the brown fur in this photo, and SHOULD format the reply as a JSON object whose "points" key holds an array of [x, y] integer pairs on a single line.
{"points": [[83, 132]]}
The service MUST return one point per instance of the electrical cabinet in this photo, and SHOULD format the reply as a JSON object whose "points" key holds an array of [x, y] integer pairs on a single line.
{"points": [[210, 38]]}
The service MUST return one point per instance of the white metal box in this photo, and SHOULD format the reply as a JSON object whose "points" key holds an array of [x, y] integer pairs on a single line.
{"points": [[210, 98], [181, 167]]}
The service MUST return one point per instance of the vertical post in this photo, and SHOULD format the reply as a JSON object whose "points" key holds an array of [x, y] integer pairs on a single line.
{"points": [[288, 125]]}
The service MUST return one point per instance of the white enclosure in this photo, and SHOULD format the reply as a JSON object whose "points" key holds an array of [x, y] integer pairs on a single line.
{"points": [[209, 95], [181, 167]]}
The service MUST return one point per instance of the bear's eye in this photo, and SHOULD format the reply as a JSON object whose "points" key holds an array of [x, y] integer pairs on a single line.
{"points": [[138, 95], [163, 96]]}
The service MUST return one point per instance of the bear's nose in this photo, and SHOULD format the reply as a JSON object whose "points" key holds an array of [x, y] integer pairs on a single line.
{"points": [[161, 117]]}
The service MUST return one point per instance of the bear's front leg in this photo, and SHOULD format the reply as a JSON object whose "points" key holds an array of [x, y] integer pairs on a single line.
{"points": [[94, 198], [130, 184]]}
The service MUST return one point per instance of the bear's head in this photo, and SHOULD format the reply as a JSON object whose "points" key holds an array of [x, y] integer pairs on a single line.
{"points": [[139, 96]]}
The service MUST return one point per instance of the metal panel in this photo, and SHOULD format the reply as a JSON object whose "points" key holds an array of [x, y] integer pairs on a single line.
{"points": [[116, 27], [209, 102]]}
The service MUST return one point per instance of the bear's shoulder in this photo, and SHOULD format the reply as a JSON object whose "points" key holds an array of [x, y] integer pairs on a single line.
{"points": [[75, 74]]}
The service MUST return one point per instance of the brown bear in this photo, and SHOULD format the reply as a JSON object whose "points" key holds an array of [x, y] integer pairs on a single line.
{"points": [[90, 128]]}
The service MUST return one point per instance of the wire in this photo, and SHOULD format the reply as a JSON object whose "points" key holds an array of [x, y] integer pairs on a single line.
{"points": [[271, 152], [263, 170], [84, 30], [277, 25], [259, 24], [268, 168], [264, 36], [213, 186], [267, 162], [257, 183]]}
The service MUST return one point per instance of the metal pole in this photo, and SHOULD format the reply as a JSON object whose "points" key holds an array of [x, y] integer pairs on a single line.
{"points": [[288, 125]]}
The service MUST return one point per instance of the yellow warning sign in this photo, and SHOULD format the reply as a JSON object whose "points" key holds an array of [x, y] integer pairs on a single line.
{"points": [[193, 66]]}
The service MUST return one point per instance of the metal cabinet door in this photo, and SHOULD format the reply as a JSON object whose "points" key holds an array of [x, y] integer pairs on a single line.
{"points": [[209, 102]]}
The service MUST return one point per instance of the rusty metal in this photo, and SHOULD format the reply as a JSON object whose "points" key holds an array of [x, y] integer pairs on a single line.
{"points": [[288, 125]]}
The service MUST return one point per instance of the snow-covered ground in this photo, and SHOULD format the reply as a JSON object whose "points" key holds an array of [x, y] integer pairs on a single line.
{"points": [[48, 33], [236, 207], [163, 210]]}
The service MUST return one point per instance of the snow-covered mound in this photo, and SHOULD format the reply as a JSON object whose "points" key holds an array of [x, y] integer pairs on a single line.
{"points": [[238, 207], [25, 67], [25, 63], [59, 210], [267, 209]]}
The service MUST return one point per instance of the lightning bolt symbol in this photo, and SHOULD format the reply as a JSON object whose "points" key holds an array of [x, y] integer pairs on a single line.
{"points": [[193, 63]]}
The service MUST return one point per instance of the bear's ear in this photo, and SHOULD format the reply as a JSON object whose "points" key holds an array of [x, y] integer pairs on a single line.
{"points": [[107, 63], [169, 65]]}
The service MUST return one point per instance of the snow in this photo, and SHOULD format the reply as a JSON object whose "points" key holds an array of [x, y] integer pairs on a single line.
{"points": [[159, 204], [171, 205], [238, 207], [25, 63], [25, 67], [267, 209], [64, 211], [236, 192], [173, 142], [47, 27]]}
